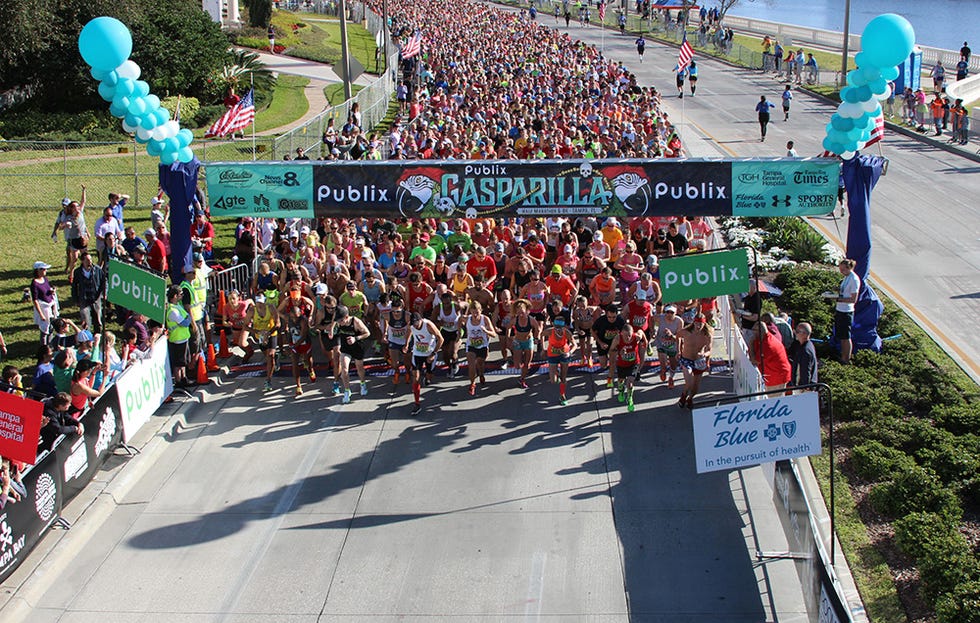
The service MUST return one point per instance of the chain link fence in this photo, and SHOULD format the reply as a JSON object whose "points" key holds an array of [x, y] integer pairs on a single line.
{"points": [[37, 174]]}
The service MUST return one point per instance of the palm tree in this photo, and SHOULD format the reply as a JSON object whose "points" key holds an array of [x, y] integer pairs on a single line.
{"points": [[244, 67]]}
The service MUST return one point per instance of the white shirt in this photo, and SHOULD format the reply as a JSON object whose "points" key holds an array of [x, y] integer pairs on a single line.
{"points": [[849, 287]]}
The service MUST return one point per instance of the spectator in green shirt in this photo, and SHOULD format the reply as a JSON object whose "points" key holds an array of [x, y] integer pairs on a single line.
{"points": [[64, 369], [424, 250]]}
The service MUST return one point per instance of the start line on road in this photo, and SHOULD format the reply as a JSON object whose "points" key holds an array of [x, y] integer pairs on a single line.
{"points": [[756, 187]]}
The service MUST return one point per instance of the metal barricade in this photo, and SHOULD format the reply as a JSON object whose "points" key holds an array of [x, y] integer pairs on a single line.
{"points": [[237, 277]]}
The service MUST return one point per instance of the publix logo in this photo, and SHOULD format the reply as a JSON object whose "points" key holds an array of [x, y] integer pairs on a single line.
{"points": [[147, 393], [135, 289]]}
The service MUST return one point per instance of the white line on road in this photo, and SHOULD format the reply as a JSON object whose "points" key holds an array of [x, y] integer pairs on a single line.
{"points": [[535, 587]]}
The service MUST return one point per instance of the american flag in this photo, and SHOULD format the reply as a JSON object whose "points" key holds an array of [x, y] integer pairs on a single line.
{"points": [[685, 55], [878, 132], [412, 47], [236, 118], [602, 11]]}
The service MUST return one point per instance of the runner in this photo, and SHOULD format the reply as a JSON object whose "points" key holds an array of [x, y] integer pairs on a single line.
{"points": [[629, 348], [583, 317], [262, 326], [641, 46], [323, 318], [536, 294], [522, 332], [639, 312], [479, 330], [425, 343], [603, 288], [503, 320], [397, 321], [561, 344], [236, 314], [300, 342], [446, 315], [668, 326], [350, 333], [695, 357], [605, 329]]}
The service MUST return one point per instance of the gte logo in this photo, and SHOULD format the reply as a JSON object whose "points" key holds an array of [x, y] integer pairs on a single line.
{"points": [[785, 201], [230, 202]]}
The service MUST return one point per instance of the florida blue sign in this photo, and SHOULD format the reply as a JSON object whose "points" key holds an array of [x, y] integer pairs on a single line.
{"points": [[743, 434], [480, 188]]}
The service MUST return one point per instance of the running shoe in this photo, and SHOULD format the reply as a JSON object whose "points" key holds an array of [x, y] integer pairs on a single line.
{"points": [[453, 370], [364, 389], [312, 375], [622, 396], [483, 380], [268, 386], [562, 399], [472, 389], [346, 399], [416, 408], [336, 389], [504, 365], [670, 383], [683, 401], [299, 390], [629, 405], [663, 374], [609, 383], [523, 384]]}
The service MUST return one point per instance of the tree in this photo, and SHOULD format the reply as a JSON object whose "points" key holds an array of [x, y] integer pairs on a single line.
{"points": [[724, 6], [259, 13]]}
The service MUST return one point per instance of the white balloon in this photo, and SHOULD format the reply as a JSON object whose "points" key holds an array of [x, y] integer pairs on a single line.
{"points": [[883, 96], [871, 105], [143, 134], [128, 69], [851, 110], [129, 128], [158, 133], [171, 128], [847, 155]]}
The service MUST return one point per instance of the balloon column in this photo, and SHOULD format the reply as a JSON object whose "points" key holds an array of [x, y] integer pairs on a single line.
{"points": [[886, 42], [105, 44]]}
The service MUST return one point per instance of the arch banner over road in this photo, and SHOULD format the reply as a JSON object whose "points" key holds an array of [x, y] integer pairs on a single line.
{"points": [[498, 188]]}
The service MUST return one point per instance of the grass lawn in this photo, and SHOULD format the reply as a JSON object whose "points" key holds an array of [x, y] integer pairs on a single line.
{"points": [[318, 39], [288, 104], [335, 92]]}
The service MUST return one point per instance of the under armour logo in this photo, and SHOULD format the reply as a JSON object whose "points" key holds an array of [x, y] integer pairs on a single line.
{"points": [[776, 201]]}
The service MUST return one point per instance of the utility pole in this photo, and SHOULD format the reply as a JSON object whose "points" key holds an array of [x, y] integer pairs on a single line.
{"points": [[847, 37], [345, 51]]}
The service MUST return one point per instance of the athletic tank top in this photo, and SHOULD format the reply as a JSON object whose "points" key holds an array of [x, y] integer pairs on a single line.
{"points": [[476, 334], [459, 286], [423, 342], [264, 282], [398, 328], [447, 322], [558, 346], [628, 353], [372, 293], [263, 322], [522, 328]]}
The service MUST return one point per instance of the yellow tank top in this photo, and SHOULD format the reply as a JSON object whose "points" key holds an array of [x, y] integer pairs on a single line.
{"points": [[263, 322]]}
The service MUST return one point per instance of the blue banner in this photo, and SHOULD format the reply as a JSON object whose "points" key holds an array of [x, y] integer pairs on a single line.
{"points": [[276, 190], [789, 187]]}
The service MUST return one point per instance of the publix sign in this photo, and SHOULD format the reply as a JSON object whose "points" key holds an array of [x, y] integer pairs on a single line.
{"points": [[702, 275], [137, 289], [142, 389]]}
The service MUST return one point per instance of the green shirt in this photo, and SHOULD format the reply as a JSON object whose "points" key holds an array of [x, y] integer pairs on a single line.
{"points": [[460, 238], [62, 378], [438, 243], [428, 253]]}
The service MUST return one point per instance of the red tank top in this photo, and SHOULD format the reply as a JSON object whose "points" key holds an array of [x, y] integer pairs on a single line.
{"points": [[629, 352]]}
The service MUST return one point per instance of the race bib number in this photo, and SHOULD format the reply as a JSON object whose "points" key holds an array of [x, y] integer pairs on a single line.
{"points": [[399, 332], [629, 356], [477, 342], [423, 347], [638, 321]]}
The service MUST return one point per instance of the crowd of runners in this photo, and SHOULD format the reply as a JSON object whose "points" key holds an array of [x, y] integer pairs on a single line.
{"points": [[414, 295]]}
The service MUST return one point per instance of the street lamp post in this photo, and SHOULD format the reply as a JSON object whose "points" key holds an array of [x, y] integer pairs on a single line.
{"points": [[847, 37]]}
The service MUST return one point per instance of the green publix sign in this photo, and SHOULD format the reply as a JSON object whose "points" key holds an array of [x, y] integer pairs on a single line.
{"points": [[703, 275], [137, 290]]}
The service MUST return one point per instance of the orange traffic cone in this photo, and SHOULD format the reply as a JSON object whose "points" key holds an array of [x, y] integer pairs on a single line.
{"points": [[222, 303], [223, 351], [202, 372], [212, 358]]}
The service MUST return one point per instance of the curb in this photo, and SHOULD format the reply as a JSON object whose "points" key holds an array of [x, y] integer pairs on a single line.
{"points": [[24, 598]]}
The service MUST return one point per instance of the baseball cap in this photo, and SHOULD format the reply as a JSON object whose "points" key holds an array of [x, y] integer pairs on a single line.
{"points": [[294, 234], [670, 309], [424, 237], [653, 260], [259, 298], [65, 202], [499, 246], [556, 269], [641, 295], [304, 230], [40, 265], [463, 258], [84, 336], [568, 248], [156, 201], [149, 232], [351, 285], [197, 256], [321, 289], [597, 236], [612, 221]]}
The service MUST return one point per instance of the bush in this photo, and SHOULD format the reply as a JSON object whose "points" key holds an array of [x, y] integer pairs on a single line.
{"points": [[188, 107], [942, 554], [961, 605], [960, 419], [27, 123], [808, 247], [876, 461], [954, 459], [802, 286], [915, 490], [207, 115]]}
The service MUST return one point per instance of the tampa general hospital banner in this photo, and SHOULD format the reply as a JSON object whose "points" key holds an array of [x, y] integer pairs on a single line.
{"points": [[485, 188]]}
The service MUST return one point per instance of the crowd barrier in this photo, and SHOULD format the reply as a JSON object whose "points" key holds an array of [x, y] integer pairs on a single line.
{"points": [[61, 473]]}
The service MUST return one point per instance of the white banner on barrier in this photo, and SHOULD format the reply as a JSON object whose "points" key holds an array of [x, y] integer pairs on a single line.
{"points": [[143, 387], [742, 434]]}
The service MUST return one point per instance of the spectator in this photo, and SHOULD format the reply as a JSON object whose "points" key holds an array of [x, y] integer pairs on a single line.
{"points": [[45, 300], [803, 357], [44, 372], [57, 421], [87, 289], [157, 256], [767, 354], [202, 234]]}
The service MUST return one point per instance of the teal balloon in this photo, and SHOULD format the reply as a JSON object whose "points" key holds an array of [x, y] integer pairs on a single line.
{"points": [[888, 40], [861, 60], [107, 92], [170, 144], [152, 148], [97, 74], [841, 123], [848, 94], [855, 78], [152, 102], [185, 154], [878, 86], [870, 74], [184, 137], [854, 134], [162, 115], [828, 144], [148, 121], [863, 93], [109, 77], [141, 88], [131, 119], [137, 107], [119, 109], [144, 141], [125, 86], [848, 146], [168, 157], [889, 73], [105, 43]]}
